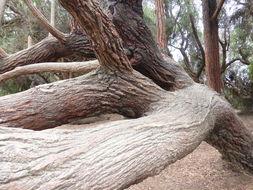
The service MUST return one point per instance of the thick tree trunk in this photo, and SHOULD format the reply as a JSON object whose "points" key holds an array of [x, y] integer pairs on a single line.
{"points": [[109, 156], [211, 38], [51, 105], [145, 56], [118, 154], [233, 140], [161, 26]]}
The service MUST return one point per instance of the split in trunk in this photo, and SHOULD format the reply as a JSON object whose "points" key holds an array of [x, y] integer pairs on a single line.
{"points": [[169, 125]]}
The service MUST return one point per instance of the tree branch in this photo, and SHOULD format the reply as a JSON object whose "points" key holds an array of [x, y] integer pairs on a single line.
{"points": [[102, 32], [2, 53], [50, 105], [49, 49], [218, 9], [2, 7], [129, 151], [73, 67], [196, 36], [56, 33], [234, 60]]}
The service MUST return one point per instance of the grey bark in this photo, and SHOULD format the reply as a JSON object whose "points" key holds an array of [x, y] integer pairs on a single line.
{"points": [[2, 7], [168, 125]]}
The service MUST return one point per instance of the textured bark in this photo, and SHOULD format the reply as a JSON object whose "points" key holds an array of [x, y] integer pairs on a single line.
{"points": [[128, 151], [51, 105], [144, 54], [233, 140], [161, 26], [70, 67], [49, 49], [211, 38], [118, 154], [106, 42], [109, 156], [2, 53], [218, 9]]}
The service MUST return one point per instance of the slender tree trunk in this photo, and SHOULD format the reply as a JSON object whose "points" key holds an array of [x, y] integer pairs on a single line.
{"points": [[49, 49], [52, 14], [29, 41], [161, 26], [211, 39], [2, 7]]}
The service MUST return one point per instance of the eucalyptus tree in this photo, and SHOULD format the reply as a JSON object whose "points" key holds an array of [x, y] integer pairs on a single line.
{"points": [[169, 114]]}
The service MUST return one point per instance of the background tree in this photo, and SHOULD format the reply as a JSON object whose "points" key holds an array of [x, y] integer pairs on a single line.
{"points": [[165, 105], [211, 36], [162, 39], [2, 7]]}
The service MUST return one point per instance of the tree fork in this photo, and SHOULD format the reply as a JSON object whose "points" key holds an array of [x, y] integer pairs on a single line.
{"points": [[49, 49], [174, 123], [145, 56]]}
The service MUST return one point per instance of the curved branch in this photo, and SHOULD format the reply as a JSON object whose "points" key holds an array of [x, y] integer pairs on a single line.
{"points": [[42, 19], [105, 38], [110, 156], [51, 105], [73, 67], [217, 10], [3, 53], [232, 61], [49, 49], [196, 36]]}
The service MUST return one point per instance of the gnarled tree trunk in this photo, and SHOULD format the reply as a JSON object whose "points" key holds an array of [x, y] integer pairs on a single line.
{"points": [[171, 119]]}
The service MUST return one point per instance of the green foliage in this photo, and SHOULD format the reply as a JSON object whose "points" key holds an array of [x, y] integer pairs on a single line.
{"points": [[251, 72], [19, 23], [149, 17]]}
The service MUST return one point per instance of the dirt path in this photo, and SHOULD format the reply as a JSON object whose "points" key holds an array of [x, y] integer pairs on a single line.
{"points": [[201, 170]]}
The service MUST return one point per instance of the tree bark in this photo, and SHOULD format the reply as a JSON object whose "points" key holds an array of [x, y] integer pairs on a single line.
{"points": [[211, 38], [145, 56], [66, 67], [51, 105], [49, 49], [169, 125], [161, 26], [2, 7], [100, 31], [109, 156]]}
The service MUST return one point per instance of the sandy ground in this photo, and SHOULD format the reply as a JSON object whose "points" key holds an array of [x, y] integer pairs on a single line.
{"points": [[201, 170]]}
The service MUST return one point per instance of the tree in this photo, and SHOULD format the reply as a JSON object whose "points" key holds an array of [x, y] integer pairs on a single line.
{"points": [[211, 36], [2, 6], [172, 113], [160, 25], [185, 37]]}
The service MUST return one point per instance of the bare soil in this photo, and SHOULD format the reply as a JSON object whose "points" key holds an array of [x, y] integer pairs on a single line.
{"points": [[201, 170]]}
